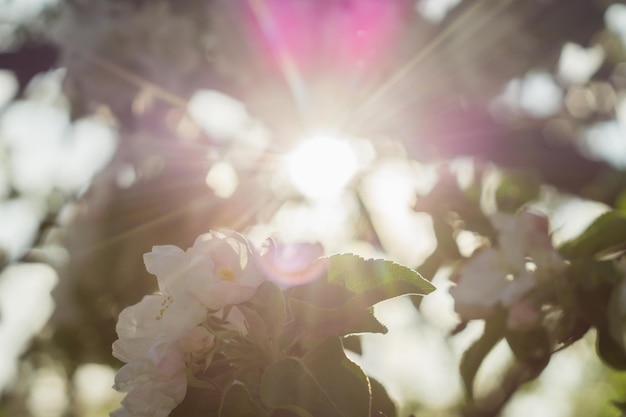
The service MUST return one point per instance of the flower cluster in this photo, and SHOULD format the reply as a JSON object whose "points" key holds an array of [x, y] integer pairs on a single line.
{"points": [[164, 335], [502, 274], [250, 331]]}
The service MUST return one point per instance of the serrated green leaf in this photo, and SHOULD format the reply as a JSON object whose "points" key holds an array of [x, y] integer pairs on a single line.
{"points": [[378, 278], [346, 383], [475, 354], [606, 232], [339, 305], [237, 402], [324, 383], [321, 293], [340, 321]]}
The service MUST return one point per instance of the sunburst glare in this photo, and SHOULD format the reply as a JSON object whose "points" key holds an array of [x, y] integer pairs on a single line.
{"points": [[321, 166]]}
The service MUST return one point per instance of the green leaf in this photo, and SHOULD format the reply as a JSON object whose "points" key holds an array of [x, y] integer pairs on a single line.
{"points": [[291, 411], [340, 321], [198, 403], [609, 350], [324, 383], [345, 381], [614, 317], [607, 234], [321, 293], [340, 305], [620, 405], [594, 281], [517, 188], [237, 402], [475, 354], [532, 347], [529, 345], [375, 279], [380, 399], [269, 303]]}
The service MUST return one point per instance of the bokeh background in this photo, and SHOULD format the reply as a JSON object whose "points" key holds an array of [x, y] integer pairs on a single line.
{"points": [[388, 128]]}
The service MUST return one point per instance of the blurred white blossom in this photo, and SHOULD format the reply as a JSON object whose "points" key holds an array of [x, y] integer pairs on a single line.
{"points": [[504, 273]]}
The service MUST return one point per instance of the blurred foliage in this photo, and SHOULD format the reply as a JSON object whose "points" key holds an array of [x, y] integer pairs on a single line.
{"points": [[138, 63]]}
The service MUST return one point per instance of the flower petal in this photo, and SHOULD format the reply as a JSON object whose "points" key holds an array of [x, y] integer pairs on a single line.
{"points": [[169, 263]]}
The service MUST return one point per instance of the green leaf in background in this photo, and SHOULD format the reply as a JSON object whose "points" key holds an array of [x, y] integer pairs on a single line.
{"points": [[237, 402], [381, 402], [517, 188], [604, 237], [324, 383], [529, 345], [609, 350], [474, 356], [620, 405], [615, 316], [532, 347]]}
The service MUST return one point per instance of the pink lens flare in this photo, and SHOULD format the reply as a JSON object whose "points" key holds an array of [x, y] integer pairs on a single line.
{"points": [[290, 264], [329, 34]]}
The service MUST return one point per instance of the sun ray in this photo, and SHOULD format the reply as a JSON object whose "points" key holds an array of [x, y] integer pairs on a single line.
{"points": [[287, 64], [137, 80], [469, 15]]}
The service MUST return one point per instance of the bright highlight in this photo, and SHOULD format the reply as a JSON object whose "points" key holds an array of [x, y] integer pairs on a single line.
{"points": [[321, 166]]}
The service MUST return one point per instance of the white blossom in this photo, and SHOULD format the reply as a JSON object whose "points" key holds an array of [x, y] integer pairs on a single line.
{"points": [[218, 270], [155, 384], [504, 273], [162, 331]]}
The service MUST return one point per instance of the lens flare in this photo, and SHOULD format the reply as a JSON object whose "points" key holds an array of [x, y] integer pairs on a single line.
{"points": [[321, 166]]}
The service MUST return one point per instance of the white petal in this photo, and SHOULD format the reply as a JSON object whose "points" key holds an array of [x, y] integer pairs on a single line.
{"points": [[159, 316], [168, 263], [226, 293], [129, 349], [155, 385], [120, 412]]}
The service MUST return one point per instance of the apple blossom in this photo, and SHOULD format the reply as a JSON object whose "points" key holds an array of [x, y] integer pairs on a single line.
{"points": [[155, 319], [504, 273], [155, 384], [157, 335], [218, 270]]}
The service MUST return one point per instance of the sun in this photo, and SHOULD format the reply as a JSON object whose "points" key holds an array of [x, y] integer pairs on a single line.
{"points": [[321, 166]]}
